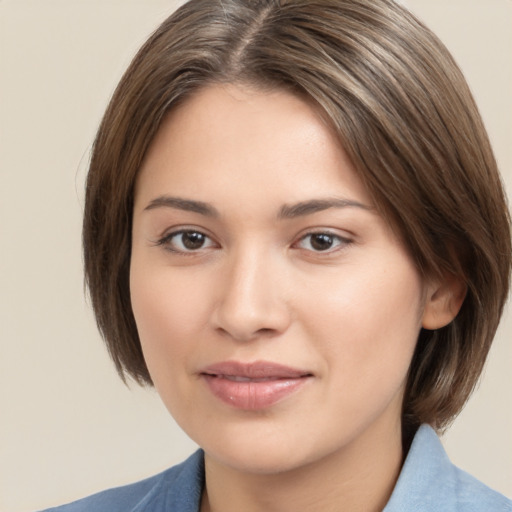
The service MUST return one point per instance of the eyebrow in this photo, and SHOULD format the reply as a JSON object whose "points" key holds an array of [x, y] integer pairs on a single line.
{"points": [[187, 205], [292, 211], [318, 205]]}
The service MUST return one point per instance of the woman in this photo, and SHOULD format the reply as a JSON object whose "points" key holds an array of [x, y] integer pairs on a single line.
{"points": [[295, 229]]}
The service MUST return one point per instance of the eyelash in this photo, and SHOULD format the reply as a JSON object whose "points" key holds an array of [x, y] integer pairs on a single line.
{"points": [[339, 241], [342, 242], [166, 241]]}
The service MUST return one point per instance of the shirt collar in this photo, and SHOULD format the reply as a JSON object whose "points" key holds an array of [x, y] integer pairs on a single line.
{"points": [[428, 482], [425, 480], [184, 495]]}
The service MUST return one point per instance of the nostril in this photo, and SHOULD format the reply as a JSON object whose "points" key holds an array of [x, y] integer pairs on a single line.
{"points": [[247, 335], [265, 331]]}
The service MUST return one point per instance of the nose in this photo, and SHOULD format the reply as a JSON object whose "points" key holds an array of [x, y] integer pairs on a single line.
{"points": [[252, 302]]}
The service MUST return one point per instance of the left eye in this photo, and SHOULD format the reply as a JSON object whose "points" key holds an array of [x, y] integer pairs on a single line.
{"points": [[321, 242], [187, 241]]}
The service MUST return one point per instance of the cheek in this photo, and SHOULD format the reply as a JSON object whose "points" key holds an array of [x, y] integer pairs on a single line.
{"points": [[366, 322], [169, 316], [170, 312], [161, 307]]}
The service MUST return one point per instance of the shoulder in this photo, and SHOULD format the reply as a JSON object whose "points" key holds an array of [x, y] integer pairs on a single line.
{"points": [[178, 488], [474, 496], [429, 482]]}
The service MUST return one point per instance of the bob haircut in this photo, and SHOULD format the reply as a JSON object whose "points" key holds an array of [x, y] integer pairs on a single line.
{"points": [[402, 111]]}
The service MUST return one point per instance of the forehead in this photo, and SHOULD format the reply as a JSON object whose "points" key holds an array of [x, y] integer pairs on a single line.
{"points": [[246, 141]]}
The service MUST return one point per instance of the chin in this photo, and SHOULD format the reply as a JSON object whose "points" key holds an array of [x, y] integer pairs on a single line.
{"points": [[263, 449], [258, 460]]}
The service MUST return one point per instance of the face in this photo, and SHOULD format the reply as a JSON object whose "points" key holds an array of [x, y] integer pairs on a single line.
{"points": [[277, 311]]}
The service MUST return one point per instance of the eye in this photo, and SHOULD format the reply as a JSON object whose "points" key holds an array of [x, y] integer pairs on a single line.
{"points": [[186, 241], [322, 242]]}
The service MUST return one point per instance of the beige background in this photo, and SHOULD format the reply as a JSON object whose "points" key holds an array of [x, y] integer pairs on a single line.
{"points": [[68, 427]]}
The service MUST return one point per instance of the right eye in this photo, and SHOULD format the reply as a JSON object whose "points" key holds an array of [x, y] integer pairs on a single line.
{"points": [[186, 241]]}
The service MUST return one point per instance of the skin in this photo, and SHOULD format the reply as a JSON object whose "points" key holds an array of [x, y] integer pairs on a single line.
{"points": [[259, 288]]}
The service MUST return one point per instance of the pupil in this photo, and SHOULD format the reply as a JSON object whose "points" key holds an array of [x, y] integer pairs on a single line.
{"points": [[321, 242], [192, 240]]}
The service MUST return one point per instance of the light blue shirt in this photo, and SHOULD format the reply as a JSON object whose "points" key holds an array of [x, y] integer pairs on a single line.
{"points": [[428, 482]]}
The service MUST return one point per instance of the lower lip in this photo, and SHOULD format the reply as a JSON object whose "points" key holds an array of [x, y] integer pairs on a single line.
{"points": [[253, 395]]}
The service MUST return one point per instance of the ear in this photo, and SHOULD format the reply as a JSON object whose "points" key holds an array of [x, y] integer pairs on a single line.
{"points": [[443, 301]]}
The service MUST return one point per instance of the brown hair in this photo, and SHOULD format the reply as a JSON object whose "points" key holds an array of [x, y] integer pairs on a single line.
{"points": [[402, 111]]}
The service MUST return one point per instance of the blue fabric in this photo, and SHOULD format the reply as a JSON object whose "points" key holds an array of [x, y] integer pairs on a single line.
{"points": [[178, 489], [428, 482]]}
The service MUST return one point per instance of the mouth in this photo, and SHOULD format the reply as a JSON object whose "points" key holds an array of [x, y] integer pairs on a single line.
{"points": [[253, 386], [236, 378]]}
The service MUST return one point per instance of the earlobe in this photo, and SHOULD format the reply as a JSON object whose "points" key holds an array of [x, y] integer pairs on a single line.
{"points": [[443, 302]]}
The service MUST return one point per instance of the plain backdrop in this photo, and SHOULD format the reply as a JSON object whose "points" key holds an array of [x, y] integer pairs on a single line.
{"points": [[68, 426]]}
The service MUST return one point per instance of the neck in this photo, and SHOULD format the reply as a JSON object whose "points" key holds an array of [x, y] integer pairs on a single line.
{"points": [[359, 477]]}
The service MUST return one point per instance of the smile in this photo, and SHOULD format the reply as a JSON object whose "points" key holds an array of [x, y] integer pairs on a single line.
{"points": [[253, 386]]}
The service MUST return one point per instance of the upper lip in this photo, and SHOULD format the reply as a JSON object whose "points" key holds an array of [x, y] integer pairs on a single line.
{"points": [[254, 370]]}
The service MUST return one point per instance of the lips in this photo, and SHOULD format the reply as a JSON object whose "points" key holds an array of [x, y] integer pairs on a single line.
{"points": [[253, 386]]}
